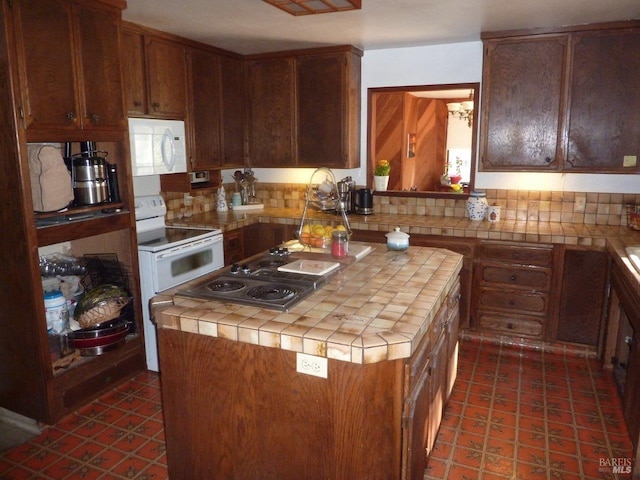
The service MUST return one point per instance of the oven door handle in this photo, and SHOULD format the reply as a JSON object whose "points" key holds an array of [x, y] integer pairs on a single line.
{"points": [[189, 247]]}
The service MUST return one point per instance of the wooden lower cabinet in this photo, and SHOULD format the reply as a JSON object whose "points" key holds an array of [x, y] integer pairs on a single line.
{"points": [[622, 352], [583, 297], [237, 410], [232, 242], [263, 236], [513, 288]]}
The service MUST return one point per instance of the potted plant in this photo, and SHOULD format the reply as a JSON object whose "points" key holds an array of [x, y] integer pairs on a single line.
{"points": [[381, 175]]}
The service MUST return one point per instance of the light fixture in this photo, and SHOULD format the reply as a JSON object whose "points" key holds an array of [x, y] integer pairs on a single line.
{"points": [[464, 110], [308, 7]]}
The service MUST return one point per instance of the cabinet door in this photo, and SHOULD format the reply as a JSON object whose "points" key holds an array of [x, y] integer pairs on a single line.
{"points": [[583, 297], [133, 66], [233, 105], [47, 62], [271, 117], [99, 34], [522, 101], [604, 111], [631, 396], [320, 83], [416, 435], [205, 109], [167, 78]]}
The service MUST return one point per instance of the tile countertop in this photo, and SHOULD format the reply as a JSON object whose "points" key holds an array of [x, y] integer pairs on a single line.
{"points": [[375, 309], [507, 230], [614, 239]]}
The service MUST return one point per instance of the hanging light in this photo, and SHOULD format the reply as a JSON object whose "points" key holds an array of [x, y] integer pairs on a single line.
{"points": [[464, 110], [308, 7]]}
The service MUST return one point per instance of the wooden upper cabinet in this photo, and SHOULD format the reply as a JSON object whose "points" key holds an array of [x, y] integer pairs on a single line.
{"points": [[233, 110], [327, 127], [99, 37], [155, 74], [604, 111], [166, 78], [204, 129], [304, 108], [522, 101], [69, 68], [271, 117], [133, 66], [562, 100]]}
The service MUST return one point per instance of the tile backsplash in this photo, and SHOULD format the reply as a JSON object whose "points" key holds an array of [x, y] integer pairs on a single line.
{"points": [[519, 205]]}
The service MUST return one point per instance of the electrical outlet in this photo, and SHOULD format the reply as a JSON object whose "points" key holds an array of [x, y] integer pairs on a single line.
{"points": [[312, 365], [580, 204]]}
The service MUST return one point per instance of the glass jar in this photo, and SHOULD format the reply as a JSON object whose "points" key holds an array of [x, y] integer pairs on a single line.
{"points": [[477, 205], [339, 244]]}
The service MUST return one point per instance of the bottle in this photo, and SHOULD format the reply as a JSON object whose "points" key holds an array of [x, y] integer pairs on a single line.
{"points": [[57, 315], [339, 244], [222, 201], [477, 205]]}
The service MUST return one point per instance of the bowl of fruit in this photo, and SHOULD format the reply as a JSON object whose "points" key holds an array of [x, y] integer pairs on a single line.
{"points": [[317, 235]]}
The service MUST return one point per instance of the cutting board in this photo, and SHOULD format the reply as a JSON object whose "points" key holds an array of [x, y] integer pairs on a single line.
{"points": [[309, 267]]}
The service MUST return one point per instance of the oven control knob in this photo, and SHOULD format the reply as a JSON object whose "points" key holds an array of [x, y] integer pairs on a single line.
{"points": [[235, 268], [245, 269], [273, 250]]}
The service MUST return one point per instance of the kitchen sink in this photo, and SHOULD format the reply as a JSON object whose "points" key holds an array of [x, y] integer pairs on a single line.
{"points": [[633, 254]]}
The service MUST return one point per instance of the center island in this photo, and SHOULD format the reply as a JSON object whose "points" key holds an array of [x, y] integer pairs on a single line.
{"points": [[349, 383]]}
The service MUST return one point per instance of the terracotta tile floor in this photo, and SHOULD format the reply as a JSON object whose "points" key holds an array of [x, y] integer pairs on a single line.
{"points": [[518, 413], [514, 414]]}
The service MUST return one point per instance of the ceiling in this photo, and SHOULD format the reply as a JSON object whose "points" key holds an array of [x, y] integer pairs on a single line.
{"points": [[253, 26]]}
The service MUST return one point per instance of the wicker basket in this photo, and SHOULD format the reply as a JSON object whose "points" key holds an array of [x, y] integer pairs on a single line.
{"points": [[102, 312], [633, 215]]}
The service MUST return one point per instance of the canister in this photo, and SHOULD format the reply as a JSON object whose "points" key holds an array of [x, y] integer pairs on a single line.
{"points": [[339, 243], [55, 306], [477, 205]]}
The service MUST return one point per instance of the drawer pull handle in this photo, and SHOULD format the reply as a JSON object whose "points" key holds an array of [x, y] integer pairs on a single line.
{"points": [[511, 303], [513, 278], [510, 326], [515, 256]]}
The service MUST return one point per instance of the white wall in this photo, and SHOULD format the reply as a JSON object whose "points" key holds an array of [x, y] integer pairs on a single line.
{"points": [[450, 63]]}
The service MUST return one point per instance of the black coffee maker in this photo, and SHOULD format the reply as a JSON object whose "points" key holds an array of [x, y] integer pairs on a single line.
{"points": [[364, 201]]}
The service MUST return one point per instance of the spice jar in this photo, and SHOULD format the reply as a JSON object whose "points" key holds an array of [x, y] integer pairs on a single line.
{"points": [[339, 244]]}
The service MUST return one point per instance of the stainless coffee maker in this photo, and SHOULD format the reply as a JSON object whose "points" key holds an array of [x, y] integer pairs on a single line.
{"points": [[346, 194]]}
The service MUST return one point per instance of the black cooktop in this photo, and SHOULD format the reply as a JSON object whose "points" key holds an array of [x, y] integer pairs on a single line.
{"points": [[259, 283]]}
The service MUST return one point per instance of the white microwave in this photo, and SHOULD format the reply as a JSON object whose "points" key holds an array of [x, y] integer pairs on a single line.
{"points": [[157, 146]]}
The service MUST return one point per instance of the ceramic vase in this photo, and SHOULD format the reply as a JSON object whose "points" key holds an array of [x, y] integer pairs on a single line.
{"points": [[380, 183]]}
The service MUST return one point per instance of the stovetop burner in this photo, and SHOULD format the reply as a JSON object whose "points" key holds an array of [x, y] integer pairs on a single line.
{"points": [[271, 292], [225, 286], [258, 283]]}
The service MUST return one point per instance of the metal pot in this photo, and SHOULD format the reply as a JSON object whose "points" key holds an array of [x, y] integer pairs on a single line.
{"points": [[90, 178]]}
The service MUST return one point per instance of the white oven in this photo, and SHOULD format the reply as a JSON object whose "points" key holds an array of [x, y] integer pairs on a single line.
{"points": [[169, 257]]}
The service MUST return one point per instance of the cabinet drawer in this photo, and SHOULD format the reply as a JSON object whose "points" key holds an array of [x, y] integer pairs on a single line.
{"points": [[513, 300], [518, 254], [510, 325], [532, 277]]}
